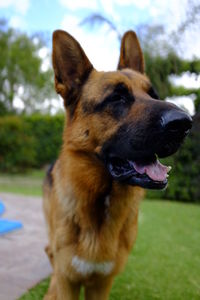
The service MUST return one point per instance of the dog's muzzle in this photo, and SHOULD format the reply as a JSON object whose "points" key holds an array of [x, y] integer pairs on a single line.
{"points": [[133, 158]]}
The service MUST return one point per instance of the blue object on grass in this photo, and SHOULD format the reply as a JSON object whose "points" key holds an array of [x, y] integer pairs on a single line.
{"points": [[7, 225], [2, 208]]}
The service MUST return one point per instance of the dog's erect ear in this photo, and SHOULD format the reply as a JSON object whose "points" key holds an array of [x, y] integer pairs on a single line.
{"points": [[131, 55], [71, 65]]}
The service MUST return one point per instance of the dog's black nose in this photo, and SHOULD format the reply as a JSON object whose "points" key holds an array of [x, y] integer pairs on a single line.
{"points": [[176, 121]]}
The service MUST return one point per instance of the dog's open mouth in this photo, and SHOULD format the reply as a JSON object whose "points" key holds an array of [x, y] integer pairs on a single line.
{"points": [[150, 175]]}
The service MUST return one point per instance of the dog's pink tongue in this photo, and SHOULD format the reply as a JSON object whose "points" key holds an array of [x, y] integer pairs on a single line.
{"points": [[156, 171]]}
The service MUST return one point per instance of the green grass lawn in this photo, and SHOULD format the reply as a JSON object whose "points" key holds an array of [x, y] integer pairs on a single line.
{"points": [[165, 262], [26, 184]]}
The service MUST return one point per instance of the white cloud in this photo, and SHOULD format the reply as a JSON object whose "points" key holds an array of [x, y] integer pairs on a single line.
{"points": [[172, 14], [187, 80], [17, 102], [6, 3], [56, 105], [140, 4], [101, 46], [53, 105], [169, 13], [190, 44], [77, 4], [44, 53], [20, 6], [17, 21], [108, 6]]}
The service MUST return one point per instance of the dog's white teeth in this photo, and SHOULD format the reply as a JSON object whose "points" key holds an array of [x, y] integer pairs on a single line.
{"points": [[169, 169]]}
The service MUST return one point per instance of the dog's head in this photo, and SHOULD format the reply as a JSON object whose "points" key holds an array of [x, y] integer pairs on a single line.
{"points": [[117, 116]]}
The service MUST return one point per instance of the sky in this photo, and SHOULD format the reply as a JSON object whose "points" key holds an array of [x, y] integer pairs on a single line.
{"points": [[100, 44]]}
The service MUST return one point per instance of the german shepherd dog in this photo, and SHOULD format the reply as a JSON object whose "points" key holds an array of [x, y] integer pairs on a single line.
{"points": [[115, 131]]}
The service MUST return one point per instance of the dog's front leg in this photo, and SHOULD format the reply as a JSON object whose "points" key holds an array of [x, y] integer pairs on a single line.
{"points": [[99, 290], [66, 290]]}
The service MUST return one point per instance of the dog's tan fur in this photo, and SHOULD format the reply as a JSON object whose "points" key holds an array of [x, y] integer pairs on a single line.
{"points": [[78, 224]]}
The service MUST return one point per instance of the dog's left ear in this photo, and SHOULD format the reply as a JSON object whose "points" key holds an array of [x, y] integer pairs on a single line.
{"points": [[131, 55], [71, 65]]}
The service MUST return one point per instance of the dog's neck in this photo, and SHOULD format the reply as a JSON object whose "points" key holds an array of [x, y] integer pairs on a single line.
{"points": [[97, 207], [97, 196]]}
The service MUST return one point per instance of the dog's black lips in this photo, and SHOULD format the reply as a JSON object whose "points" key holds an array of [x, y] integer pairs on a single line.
{"points": [[123, 170]]}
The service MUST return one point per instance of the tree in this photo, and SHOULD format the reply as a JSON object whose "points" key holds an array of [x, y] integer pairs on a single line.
{"points": [[21, 74]]}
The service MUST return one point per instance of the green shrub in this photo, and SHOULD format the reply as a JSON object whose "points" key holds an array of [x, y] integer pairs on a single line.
{"points": [[31, 141], [17, 147], [47, 130]]}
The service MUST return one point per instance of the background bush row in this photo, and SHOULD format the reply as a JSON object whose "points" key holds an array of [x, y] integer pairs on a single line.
{"points": [[29, 141]]}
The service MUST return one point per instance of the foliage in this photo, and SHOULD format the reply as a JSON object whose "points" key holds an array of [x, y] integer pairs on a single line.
{"points": [[159, 68], [21, 74], [16, 145], [47, 131], [27, 142], [164, 263]]}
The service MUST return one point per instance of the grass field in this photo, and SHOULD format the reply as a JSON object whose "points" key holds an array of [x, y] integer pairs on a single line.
{"points": [[26, 184], [165, 262]]}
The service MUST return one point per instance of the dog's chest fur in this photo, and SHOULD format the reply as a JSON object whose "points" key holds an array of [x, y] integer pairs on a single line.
{"points": [[87, 246], [87, 268]]}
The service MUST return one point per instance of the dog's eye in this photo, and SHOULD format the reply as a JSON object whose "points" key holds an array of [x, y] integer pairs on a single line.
{"points": [[119, 106], [118, 99]]}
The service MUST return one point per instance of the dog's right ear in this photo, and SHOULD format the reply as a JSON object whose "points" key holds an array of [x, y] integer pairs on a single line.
{"points": [[71, 65], [131, 55]]}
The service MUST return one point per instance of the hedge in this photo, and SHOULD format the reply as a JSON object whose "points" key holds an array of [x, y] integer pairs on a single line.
{"points": [[27, 142], [47, 131]]}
